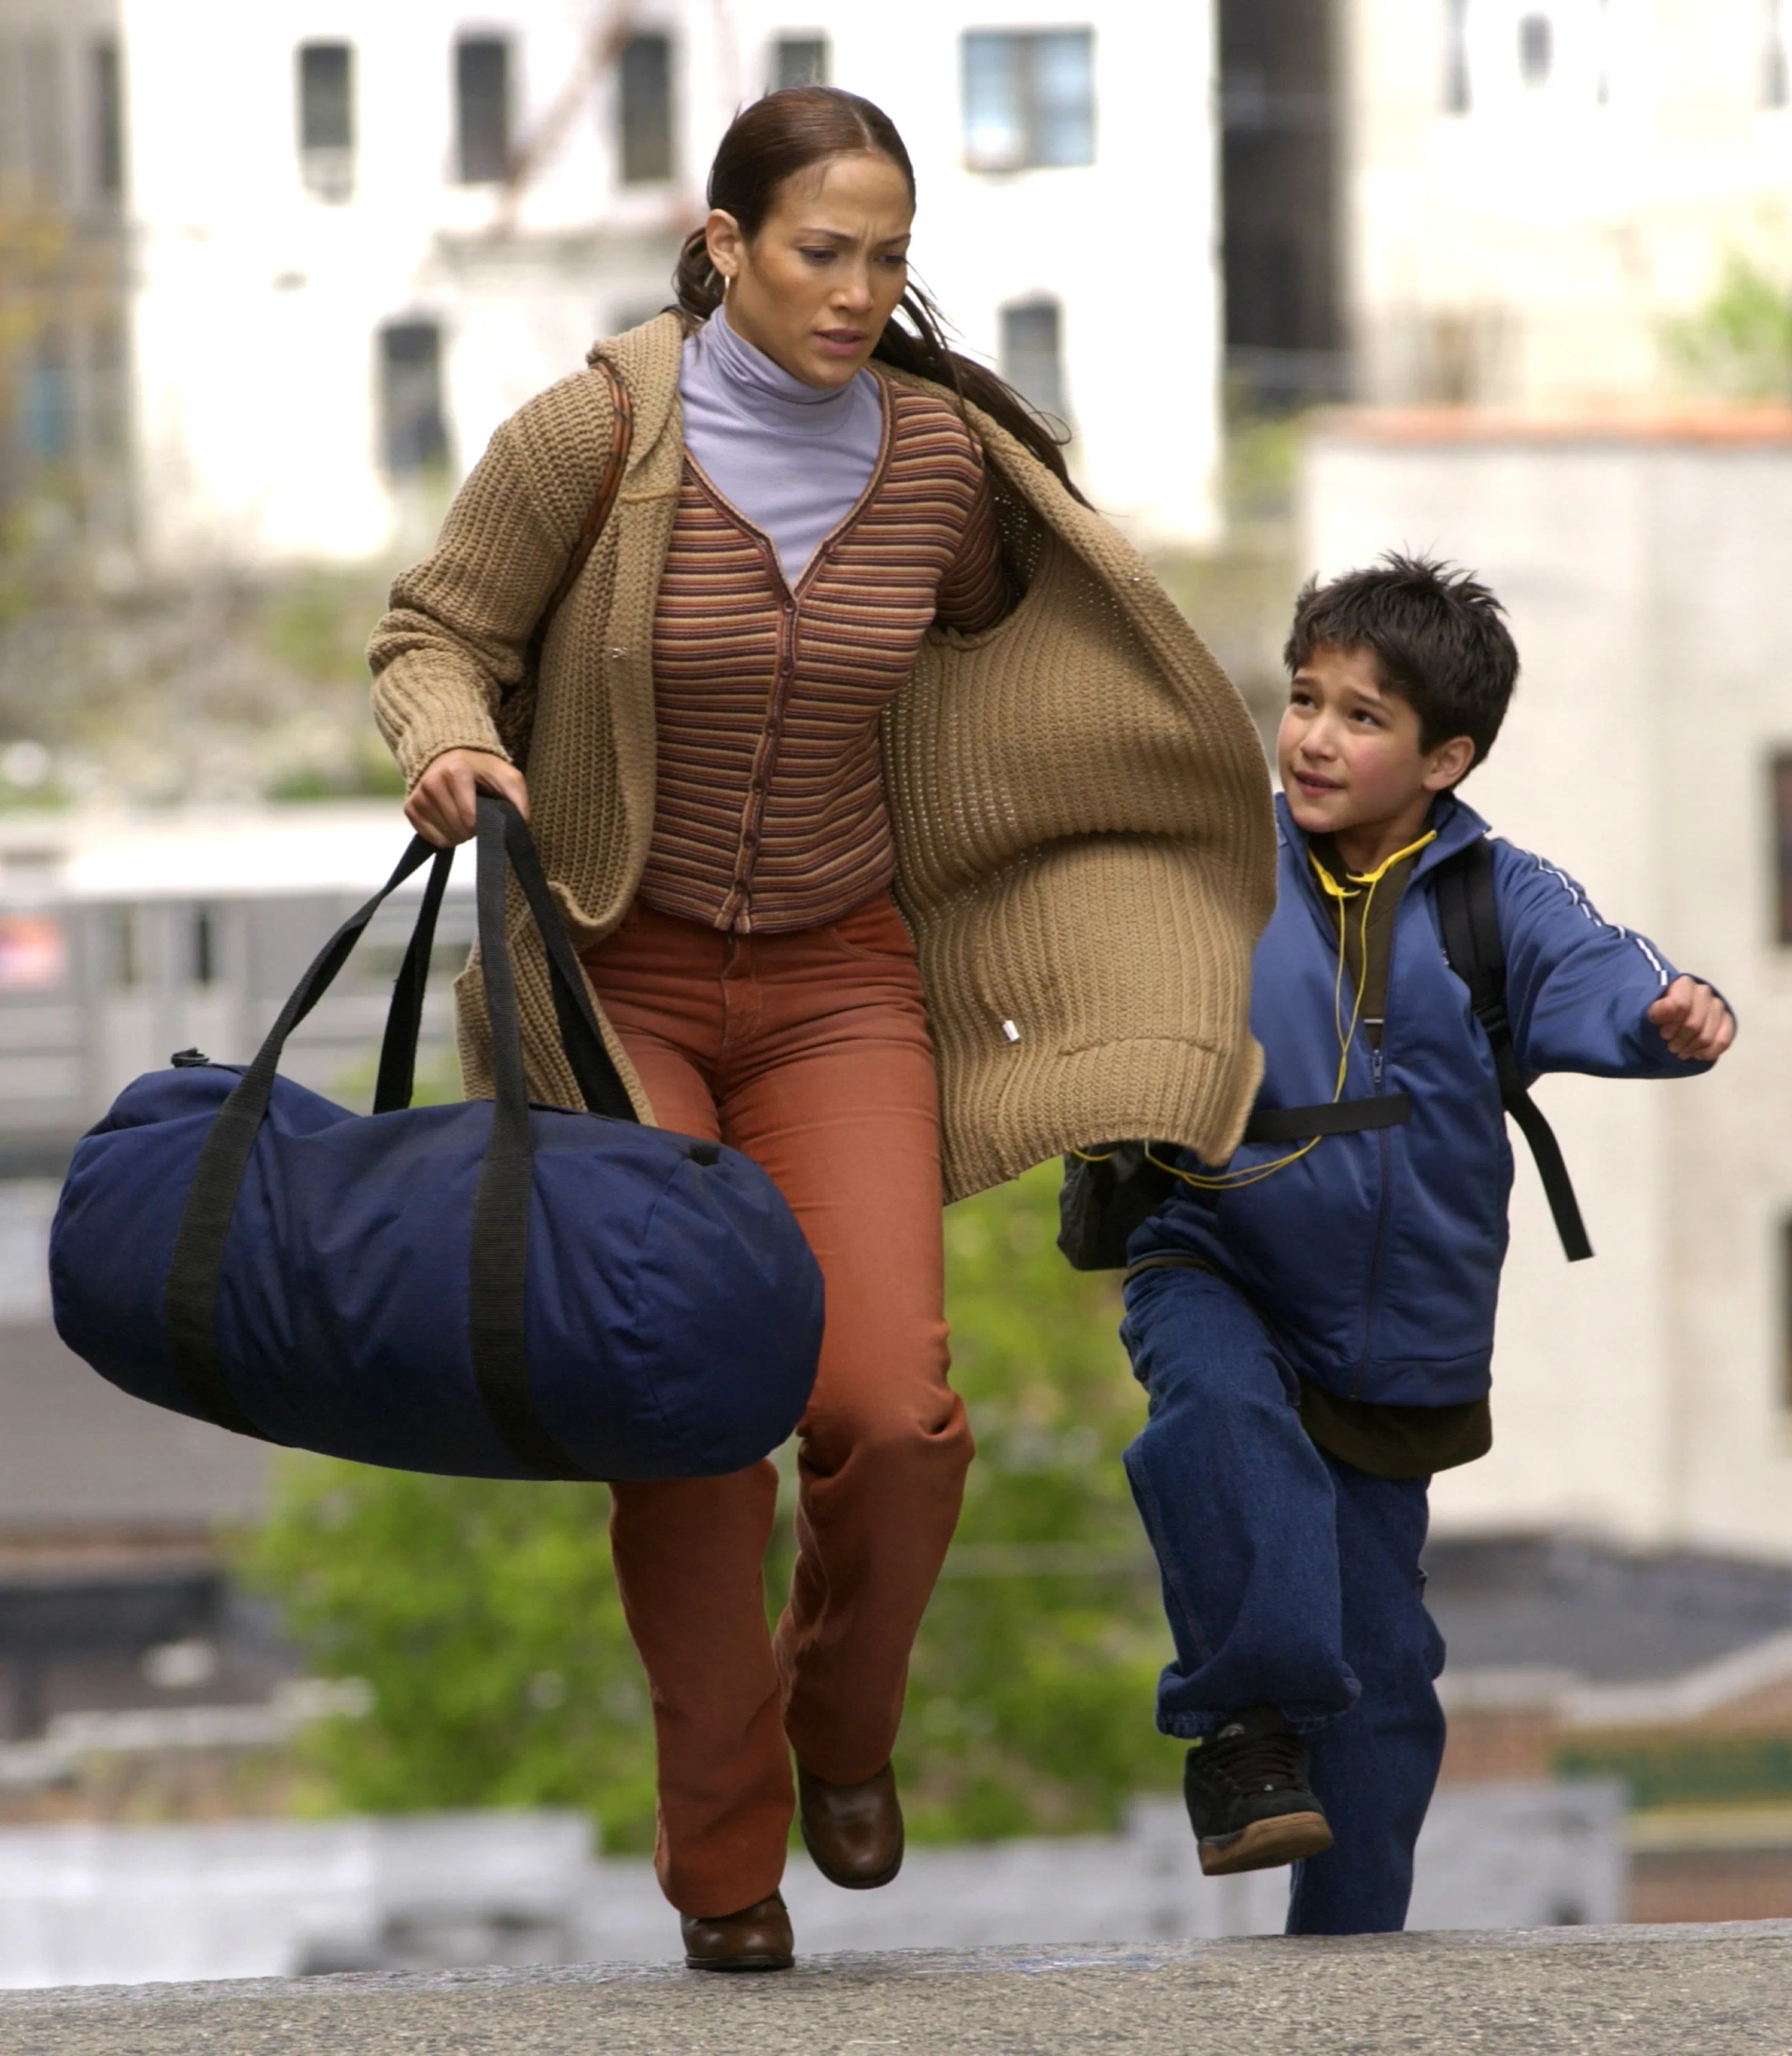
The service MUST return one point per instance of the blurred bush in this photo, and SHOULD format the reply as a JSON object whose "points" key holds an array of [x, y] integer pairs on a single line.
{"points": [[485, 1618], [1739, 344]]}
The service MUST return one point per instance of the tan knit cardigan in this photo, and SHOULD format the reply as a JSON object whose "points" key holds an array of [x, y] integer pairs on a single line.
{"points": [[1078, 799]]}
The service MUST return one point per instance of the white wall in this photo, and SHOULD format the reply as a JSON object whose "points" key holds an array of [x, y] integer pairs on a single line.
{"points": [[257, 304], [1649, 583]]}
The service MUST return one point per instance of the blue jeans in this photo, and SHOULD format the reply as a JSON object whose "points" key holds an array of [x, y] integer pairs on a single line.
{"points": [[1291, 1580]]}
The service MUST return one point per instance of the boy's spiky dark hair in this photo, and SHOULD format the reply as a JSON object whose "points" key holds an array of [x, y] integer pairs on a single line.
{"points": [[1437, 634]]}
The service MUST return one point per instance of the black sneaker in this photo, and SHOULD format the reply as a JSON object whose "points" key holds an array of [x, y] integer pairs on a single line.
{"points": [[1248, 1799]]}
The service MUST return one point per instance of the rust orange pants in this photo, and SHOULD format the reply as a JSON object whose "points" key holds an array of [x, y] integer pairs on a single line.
{"points": [[809, 1052]]}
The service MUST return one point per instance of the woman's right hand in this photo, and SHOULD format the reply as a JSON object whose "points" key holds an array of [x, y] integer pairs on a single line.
{"points": [[444, 806]]}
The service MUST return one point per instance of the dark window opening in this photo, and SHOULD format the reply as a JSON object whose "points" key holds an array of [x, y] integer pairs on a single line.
{"points": [[1458, 88], [1028, 98], [1537, 49], [482, 109], [1781, 774], [204, 959], [644, 96], [1786, 1312], [413, 430], [1279, 196], [327, 118], [799, 61], [126, 954], [1032, 357], [108, 120]]}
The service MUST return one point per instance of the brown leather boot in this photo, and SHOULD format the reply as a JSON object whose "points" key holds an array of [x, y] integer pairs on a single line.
{"points": [[757, 1938], [854, 1832]]}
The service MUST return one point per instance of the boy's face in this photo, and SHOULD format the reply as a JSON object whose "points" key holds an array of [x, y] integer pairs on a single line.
{"points": [[1349, 751]]}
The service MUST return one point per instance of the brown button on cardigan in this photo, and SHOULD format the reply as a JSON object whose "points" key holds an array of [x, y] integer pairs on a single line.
{"points": [[769, 812], [1077, 801]]}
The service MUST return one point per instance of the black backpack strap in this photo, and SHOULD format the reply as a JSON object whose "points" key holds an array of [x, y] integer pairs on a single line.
{"points": [[1469, 914]]}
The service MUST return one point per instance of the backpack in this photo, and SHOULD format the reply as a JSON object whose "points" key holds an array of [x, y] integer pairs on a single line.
{"points": [[1104, 1199]]}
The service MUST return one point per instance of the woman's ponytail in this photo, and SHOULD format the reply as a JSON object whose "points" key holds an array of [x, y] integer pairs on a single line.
{"points": [[695, 279]]}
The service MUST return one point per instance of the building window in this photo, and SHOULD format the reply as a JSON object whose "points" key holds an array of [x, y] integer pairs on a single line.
{"points": [[1537, 49], [1777, 70], [1032, 358], [1786, 1312], [108, 120], [1458, 96], [127, 950], [326, 119], [413, 432], [46, 135], [47, 409], [1783, 846], [482, 109], [1028, 98], [644, 110], [203, 964], [799, 61], [107, 386]]}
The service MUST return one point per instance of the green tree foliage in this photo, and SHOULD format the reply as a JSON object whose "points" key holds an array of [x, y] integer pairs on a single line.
{"points": [[1739, 344], [485, 1618]]}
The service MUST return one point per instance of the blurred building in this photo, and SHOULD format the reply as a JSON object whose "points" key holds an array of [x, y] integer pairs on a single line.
{"points": [[64, 261], [1535, 190], [356, 240], [1506, 201]]}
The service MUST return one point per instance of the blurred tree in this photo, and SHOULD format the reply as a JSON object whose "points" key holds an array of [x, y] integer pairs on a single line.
{"points": [[1739, 344], [485, 1618]]}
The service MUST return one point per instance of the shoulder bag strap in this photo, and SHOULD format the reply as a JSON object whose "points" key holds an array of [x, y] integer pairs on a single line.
{"points": [[1468, 914], [622, 424], [498, 1258]]}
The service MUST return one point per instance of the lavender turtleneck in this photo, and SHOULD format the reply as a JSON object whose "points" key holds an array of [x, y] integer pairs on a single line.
{"points": [[793, 458]]}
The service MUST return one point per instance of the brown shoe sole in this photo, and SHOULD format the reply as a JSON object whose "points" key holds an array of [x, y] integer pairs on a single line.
{"points": [[845, 1880], [1264, 1845], [739, 1963]]}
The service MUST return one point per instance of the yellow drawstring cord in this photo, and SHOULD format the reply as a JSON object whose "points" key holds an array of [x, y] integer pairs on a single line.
{"points": [[1361, 883]]}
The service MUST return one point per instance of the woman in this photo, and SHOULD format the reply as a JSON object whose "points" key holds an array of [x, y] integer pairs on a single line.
{"points": [[848, 628]]}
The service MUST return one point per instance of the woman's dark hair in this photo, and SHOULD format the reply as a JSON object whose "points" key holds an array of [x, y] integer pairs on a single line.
{"points": [[791, 131], [1437, 634]]}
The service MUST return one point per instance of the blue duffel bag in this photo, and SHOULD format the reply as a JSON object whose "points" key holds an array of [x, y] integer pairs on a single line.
{"points": [[491, 1290]]}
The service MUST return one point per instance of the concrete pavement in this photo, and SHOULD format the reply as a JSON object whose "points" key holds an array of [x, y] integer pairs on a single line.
{"points": [[1626, 1991]]}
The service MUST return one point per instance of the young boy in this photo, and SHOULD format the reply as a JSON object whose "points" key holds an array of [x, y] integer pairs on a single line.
{"points": [[1313, 1324]]}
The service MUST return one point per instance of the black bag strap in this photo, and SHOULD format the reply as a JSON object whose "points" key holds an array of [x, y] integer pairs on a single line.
{"points": [[499, 1254], [498, 1261], [1387, 1109], [1468, 914], [404, 1017]]}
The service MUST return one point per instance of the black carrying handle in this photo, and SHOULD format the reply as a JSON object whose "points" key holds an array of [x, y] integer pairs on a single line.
{"points": [[500, 1228]]}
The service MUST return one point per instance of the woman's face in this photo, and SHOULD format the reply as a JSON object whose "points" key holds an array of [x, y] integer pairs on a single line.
{"points": [[815, 286]]}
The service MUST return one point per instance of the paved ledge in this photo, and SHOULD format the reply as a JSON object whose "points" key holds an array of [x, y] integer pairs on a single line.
{"points": [[1630, 1991]]}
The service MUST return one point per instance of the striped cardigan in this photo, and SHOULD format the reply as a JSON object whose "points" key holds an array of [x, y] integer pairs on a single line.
{"points": [[769, 809], [1078, 803]]}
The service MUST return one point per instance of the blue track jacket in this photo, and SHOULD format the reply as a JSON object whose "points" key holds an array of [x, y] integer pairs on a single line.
{"points": [[1376, 1258]]}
